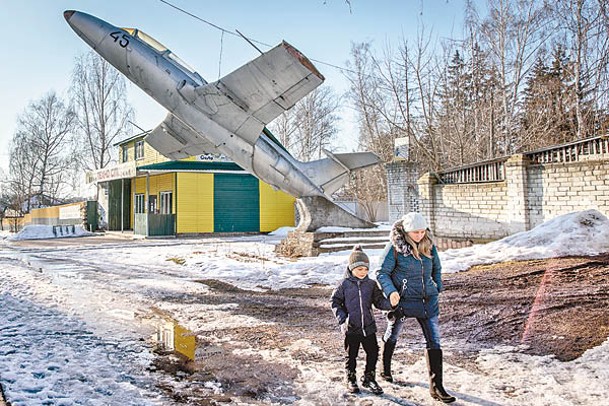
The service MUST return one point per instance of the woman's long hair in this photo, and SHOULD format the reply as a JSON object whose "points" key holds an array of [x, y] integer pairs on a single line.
{"points": [[423, 247]]}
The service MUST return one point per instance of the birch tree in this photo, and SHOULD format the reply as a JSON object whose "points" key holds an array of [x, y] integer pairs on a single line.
{"points": [[310, 126], [513, 33], [41, 162], [102, 113], [584, 28]]}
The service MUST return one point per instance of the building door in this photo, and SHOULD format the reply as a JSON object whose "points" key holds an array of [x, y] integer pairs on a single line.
{"points": [[236, 203], [115, 200]]}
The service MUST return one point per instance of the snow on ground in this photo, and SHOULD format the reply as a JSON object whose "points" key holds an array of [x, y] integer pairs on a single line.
{"points": [[579, 233], [73, 318]]}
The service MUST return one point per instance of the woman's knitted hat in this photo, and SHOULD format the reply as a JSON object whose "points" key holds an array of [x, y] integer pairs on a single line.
{"points": [[413, 221], [358, 258]]}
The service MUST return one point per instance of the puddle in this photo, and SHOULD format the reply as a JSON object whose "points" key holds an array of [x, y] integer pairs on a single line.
{"points": [[173, 337]]}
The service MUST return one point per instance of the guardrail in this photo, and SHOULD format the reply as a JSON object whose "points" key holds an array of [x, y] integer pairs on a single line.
{"points": [[482, 172], [571, 152], [494, 170]]}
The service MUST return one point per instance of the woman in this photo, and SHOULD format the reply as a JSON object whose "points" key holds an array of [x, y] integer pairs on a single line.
{"points": [[411, 278]]}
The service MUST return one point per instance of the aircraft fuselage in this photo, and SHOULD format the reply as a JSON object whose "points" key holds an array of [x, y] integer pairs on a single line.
{"points": [[157, 72]]}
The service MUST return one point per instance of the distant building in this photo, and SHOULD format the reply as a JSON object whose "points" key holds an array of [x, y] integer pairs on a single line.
{"points": [[151, 195]]}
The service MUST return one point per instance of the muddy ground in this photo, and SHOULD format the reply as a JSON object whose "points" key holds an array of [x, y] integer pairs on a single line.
{"points": [[556, 306]]}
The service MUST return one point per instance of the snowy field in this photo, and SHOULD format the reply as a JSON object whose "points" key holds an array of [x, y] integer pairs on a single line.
{"points": [[75, 320]]}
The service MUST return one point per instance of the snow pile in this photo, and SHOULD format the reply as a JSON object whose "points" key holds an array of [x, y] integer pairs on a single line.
{"points": [[579, 233], [40, 231]]}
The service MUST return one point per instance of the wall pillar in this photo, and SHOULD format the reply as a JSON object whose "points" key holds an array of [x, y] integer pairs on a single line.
{"points": [[402, 191], [517, 193], [426, 185]]}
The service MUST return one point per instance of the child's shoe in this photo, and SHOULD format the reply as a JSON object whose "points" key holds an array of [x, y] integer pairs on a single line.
{"points": [[387, 376], [369, 382], [352, 383]]}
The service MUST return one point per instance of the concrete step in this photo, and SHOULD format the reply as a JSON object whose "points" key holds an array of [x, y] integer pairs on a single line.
{"points": [[332, 239], [345, 240], [338, 247]]}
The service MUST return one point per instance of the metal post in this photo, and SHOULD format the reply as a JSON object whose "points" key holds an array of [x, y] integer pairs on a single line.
{"points": [[147, 208], [122, 204]]}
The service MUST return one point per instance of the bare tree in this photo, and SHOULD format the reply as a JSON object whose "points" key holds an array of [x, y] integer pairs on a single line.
{"points": [[284, 127], [310, 126], [99, 97], [40, 161], [513, 33], [371, 98], [397, 97], [584, 26]]}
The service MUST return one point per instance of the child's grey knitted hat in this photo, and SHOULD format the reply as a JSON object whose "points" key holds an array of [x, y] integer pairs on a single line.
{"points": [[358, 258]]}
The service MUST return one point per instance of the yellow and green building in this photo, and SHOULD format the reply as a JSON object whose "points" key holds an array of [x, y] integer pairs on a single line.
{"points": [[153, 196]]}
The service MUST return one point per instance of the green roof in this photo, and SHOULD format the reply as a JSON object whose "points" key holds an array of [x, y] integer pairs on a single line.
{"points": [[177, 166]]}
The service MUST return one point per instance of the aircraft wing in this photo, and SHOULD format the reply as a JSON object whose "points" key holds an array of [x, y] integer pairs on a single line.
{"points": [[175, 140], [247, 99]]}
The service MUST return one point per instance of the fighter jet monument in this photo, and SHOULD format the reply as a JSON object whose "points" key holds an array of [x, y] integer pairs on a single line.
{"points": [[228, 116]]}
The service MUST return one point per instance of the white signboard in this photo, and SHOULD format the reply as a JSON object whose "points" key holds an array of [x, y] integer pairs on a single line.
{"points": [[211, 158], [401, 148], [69, 212], [121, 171]]}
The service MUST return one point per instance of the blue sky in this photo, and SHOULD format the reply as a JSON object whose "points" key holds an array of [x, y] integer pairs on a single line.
{"points": [[40, 48]]}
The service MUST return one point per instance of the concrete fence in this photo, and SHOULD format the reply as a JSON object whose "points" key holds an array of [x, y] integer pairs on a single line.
{"points": [[494, 199]]}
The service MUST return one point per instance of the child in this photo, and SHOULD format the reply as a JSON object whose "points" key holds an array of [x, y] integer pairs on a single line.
{"points": [[352, 302]]}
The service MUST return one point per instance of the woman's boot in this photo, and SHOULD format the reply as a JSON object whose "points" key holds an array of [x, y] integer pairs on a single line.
{"points": [[388, 349], [434, 365]]}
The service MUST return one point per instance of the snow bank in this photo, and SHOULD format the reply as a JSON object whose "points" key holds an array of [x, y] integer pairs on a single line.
{"points": [[578, 233], [39, 232]]}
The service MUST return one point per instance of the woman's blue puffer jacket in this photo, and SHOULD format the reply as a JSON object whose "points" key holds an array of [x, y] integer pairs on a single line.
{"points": [[418, 281]]}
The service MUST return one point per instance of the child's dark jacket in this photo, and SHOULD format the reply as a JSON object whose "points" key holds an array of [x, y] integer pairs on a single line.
{"points": [[352, 302]]}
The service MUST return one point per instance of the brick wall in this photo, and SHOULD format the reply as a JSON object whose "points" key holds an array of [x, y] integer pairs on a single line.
{"points": [[530, 194], [470, 210], [560, 188]]}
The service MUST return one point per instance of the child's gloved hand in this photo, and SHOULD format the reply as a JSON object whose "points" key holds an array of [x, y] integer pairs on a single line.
{"points": [[395, 314]]}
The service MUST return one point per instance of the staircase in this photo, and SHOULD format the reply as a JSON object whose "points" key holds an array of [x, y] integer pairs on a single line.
{"points": [[334, 241]]}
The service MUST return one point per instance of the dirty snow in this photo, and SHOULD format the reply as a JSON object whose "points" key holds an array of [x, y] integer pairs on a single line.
{"points": [[75, 321]]}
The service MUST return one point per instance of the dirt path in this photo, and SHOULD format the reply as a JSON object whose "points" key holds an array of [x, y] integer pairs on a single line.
{"points": [[556, 306]]}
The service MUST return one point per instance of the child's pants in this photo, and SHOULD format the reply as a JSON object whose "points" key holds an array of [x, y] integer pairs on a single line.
{"points": [[371, 347]]}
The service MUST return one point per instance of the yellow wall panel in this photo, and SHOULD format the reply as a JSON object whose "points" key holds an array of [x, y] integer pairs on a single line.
{"points": [[195, 203], [276, 209], [151, 155], [158, 183]]}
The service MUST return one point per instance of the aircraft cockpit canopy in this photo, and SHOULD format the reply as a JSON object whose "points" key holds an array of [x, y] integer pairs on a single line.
{"points": [[161, 49]]}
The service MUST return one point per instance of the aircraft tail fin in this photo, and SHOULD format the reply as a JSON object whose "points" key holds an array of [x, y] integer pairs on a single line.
{"points": [[332, 172]]}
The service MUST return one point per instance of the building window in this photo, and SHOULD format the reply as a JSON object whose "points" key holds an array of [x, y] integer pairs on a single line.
{"points": [[125, 153], [139, 150], [166, 198], [152, 206], [139, 203]]}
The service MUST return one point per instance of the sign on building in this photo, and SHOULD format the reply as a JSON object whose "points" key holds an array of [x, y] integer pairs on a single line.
{"points": [[401, 146], [121, 171]]}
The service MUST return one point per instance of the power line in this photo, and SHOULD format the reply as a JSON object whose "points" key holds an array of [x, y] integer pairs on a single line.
{"points": [[237, 34]]}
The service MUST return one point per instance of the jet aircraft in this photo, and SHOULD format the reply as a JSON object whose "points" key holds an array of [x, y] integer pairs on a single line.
{"points": [[227, 116]]}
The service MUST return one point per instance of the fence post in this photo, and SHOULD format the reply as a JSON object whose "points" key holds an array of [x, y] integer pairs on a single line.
{"points": [[517, 193], [426, 185]]}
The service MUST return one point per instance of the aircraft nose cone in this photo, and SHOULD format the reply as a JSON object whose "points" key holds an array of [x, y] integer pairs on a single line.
{"points": [[89, 28], [68, 14]]}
